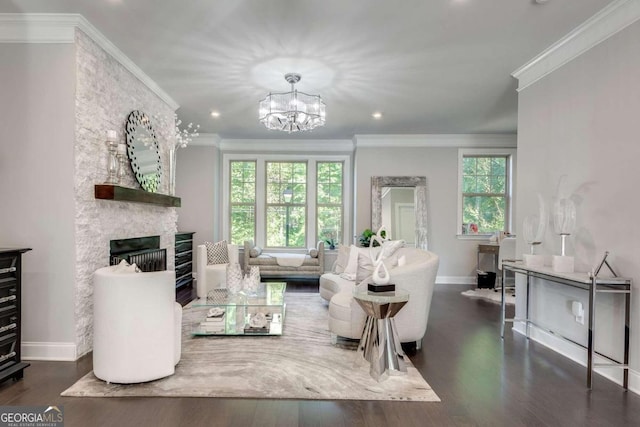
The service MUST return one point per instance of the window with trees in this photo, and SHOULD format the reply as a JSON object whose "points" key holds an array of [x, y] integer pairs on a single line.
{"points": [[329, 183], [242, 201], [285, 200], [485, 192], [286, 204]]}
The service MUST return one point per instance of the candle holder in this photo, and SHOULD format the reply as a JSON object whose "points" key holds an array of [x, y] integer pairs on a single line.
{"points": [[112, 161], [122, 158]]}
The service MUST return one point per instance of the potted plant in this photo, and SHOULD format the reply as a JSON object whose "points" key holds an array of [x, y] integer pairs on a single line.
{"points": [[329, 237], [365, 238]]}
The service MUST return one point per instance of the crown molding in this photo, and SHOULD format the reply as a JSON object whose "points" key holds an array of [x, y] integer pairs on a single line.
{"points": [[438, 141], [60, 28], [206, 140], [610, 20], [287, 145]]}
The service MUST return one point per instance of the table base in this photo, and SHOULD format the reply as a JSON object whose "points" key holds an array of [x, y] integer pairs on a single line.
{"points": [[381, 347]]}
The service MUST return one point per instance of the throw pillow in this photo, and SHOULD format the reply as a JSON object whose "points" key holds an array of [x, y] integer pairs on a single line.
{"points": [[217, 252], [389, 247], [342, 259], [313, 252], [125, 267], [352, 263], [255, 252], [365, 267], [402, 261]]}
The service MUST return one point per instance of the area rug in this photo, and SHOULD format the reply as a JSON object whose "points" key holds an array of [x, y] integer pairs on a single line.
{"points": [[491, 295], [300, 364]]}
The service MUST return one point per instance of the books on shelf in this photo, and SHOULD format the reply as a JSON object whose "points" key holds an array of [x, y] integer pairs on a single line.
{"points": [[214, 319], [211, 327]]}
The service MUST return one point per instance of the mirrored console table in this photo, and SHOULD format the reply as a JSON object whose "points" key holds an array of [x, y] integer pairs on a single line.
{"points": [[589, 282]]}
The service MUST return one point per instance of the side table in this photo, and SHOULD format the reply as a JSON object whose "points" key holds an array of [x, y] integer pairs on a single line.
{"points": [[380, 344]]}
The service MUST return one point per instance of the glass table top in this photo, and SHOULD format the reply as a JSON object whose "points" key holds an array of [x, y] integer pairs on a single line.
{"points": [[259, 313]]}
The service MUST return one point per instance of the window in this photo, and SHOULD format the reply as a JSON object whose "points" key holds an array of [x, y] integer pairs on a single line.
{"points": [[286, 204], [329, 201], [485, 190], [243, 201], [285, 200]]}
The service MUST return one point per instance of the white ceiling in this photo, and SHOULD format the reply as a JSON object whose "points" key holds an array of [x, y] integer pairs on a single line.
{"points": [[431, 66]]}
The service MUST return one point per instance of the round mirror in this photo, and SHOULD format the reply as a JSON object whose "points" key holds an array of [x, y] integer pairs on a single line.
{"points": [[143, 151]]}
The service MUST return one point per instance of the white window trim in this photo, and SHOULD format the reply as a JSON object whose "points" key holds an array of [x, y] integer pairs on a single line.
{"points": [[511, 159], [261, 160]]}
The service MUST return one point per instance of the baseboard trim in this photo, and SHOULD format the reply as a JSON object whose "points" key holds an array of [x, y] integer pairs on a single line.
{"points": [[456, 280], [578, 355], [51, 351]]}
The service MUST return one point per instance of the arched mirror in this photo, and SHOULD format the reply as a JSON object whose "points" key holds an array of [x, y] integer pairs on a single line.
{"points": [[400, 203], [143, 151]]}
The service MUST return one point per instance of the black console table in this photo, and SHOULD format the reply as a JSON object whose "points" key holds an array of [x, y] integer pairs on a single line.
{"points": [[587, 281], [11, 365]]}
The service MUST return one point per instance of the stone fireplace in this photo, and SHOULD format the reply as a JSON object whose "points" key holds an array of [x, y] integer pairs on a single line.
{"points": [[105, 95]]}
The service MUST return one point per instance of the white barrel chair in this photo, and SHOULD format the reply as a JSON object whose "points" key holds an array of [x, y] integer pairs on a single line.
{"points": [[136, 325]]}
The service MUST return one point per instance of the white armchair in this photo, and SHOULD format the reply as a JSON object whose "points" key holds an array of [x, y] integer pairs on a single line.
{"points": [[212, 276], [136, 325]]}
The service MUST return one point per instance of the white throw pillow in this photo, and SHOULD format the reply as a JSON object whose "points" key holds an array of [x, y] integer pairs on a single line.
{"points": [[217, 253], [389, 247], [365, 267], [313, 252], [124, 267], [352, 263], [342, 259], [255, 252], [402, 261]]}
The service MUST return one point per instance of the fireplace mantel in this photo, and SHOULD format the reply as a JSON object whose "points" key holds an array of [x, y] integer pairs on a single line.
{"points": [[124, 194]]}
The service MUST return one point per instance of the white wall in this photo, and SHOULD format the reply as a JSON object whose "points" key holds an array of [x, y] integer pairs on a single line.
{"points": [[582, 120], [37, 183], [197, 184]]}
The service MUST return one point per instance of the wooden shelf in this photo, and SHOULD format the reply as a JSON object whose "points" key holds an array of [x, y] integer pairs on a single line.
{"points": [[124, 194]]}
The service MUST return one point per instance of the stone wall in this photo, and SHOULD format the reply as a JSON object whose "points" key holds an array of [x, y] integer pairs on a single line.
{"points": [[105, 95]]}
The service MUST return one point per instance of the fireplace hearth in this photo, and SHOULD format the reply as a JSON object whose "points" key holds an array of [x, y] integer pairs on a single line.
{"points": [[145, 252]]}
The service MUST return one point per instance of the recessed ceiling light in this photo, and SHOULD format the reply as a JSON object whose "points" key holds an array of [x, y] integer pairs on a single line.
{"points": [[377, 115], [215, 114]]}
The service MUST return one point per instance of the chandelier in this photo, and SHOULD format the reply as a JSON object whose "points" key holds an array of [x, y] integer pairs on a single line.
{"points": [[292, 111]]}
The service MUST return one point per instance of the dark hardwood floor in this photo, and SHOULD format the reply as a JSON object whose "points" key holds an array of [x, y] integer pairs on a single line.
{"points": [[480, 379]]}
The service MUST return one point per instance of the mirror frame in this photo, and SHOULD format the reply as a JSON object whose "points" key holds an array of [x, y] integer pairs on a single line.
{"points": [[420, 200], [135, 120]]}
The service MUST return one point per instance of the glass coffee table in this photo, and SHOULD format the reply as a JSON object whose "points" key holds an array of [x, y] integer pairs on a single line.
{"points": [[223, 313]]}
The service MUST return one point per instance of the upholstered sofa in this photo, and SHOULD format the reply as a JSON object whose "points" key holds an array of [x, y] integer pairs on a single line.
{"points": [[312, 265], [212, 276], [417, 275]]}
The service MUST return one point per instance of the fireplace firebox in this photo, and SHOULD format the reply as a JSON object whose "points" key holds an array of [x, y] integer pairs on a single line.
{"points": [[145, 252]]}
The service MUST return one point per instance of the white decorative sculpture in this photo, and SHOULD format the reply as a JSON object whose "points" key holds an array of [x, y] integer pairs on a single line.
{"points": [[380, 273], [564, 222], [533, 228]]}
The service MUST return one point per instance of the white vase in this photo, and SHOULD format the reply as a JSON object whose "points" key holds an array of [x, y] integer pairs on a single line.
{"points": [[234, 278]]}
